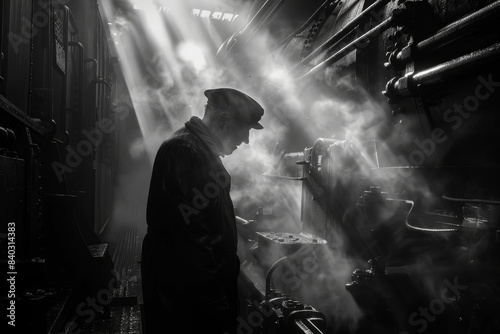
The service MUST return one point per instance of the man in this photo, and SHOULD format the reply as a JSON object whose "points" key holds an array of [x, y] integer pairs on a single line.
{"points": [[189, 261]]}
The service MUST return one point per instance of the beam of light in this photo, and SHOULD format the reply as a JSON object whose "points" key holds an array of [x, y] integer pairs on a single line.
{"points": [[174, 68], [167, 63], [192, 54]]}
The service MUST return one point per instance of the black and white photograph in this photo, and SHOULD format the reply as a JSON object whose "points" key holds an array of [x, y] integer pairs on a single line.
{"points": [[250, 166]]}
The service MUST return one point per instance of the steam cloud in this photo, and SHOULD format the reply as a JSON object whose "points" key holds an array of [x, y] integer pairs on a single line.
{"points": [[167, 64]]}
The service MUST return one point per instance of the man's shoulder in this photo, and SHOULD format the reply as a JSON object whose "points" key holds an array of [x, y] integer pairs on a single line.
{"points": [[182, 140], [179, 138]]}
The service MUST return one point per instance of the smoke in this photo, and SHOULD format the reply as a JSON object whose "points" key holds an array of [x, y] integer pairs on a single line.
{"points": [[168, 60], [317, 275], [166, 56], [167, 64]]}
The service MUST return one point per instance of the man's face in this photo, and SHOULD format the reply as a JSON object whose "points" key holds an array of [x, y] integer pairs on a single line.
{"points": [[236, 132]]}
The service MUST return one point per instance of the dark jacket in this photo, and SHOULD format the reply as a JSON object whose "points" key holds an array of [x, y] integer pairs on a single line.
{"points": [[189, 261]]}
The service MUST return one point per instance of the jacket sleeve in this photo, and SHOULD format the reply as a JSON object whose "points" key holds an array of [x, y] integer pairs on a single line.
{"points": [[187, 179]]}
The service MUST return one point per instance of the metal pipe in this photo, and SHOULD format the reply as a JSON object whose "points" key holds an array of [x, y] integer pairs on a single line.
{"points": [[96, 65], [29, 187], [376, 31], [1, 47], [72, 21], [64, 88], [81, 71], [271, 12], [471, 200], [456, 29], [345, 30], [270, 275], [101, 81], [469, 62], [258, 15], [472, 62], [305, 24], [409, 223], [254, 25]]}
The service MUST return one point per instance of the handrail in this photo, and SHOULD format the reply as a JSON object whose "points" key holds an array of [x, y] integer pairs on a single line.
{"points": [[96, 64]]}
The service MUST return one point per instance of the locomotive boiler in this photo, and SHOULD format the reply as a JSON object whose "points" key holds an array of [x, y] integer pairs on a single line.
{"points": [[390, 111], [58, 144]]}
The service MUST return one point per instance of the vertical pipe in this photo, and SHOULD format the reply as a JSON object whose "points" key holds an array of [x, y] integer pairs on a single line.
{"points": [[30, 71], [65, 77], [50, 59]]}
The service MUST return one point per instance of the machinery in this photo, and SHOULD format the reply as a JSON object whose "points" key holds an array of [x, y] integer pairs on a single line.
{"points": [[57, 158], [396, 104], [380, 215]]}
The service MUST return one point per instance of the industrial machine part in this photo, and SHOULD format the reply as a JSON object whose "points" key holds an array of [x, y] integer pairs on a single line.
{"points": [[410, 182], [53, 187], [283, 315], [272, 246], [274, 312]]}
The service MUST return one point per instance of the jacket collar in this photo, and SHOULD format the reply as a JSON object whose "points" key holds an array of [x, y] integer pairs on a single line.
{"points": [[202, 131]]}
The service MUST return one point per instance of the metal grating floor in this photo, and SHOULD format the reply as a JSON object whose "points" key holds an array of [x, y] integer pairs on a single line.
{"points": [[121, 320], [124, 314], [126, 259]]}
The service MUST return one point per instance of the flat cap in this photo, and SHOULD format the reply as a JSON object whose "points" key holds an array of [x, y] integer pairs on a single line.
{"points": [[242, 106]]}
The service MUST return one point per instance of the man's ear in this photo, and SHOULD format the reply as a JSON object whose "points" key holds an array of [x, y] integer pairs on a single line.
{"points": [[224, 119]]}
